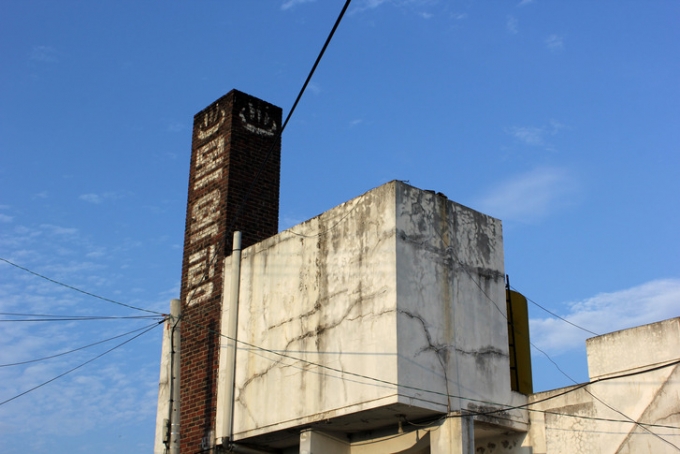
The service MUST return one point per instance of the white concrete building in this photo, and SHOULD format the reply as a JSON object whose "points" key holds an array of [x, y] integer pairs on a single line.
{"points": [[380, 326], [634, 377]]}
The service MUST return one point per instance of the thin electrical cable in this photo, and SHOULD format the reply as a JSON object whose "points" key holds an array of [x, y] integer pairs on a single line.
{"points": [[504, 407], [316, 63], [525, 335], [629, 419], [595, 418], [432, 428], [585, 385], [79, 319], [548, 356], [275, 140], [434, 392], [108, 300], [555, 315], [77, 349], [79, 366], [640, 425], [18, 314]]}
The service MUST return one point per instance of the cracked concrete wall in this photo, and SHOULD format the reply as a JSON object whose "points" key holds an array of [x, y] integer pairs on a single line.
{"points": [[640, 380], [502, 444], [451, 303], [632, 348], [400, 285], [324, 292]]}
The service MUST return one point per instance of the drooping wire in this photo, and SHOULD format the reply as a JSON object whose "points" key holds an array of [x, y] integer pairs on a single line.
{"points": [[641, 426], [503, 407], [628, 418], [525, 335], [274, 142], [76, 289], [81, 365], [550, 359], [72, 318], [557, 316], [77, 349]]}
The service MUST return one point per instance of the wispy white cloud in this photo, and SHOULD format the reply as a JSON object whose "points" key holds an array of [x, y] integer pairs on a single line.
{"points": [[109, 389], [511, 25], [59, 230], [99, 198], [534, 135], [44, 54], [92, 198], [96, 252], [5, 218], [531, 196], [289, 221], [530, 135], [416, 5], [374, 3], [314, 87], [175, 127], [554, 43], [288, 4], [525, 2], [606, 312]]}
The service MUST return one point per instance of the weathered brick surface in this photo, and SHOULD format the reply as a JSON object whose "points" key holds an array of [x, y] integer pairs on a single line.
{"points": [[231, 141]]}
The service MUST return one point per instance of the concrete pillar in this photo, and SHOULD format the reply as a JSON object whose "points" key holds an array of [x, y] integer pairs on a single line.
{"points": [[455, 436], [314, 442]]}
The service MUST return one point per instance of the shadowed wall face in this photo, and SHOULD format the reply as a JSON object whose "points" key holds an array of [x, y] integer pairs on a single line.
{"points": [[235, 140]]}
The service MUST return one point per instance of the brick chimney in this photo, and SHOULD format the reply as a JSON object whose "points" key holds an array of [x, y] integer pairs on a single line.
{"points": [[231, 140]]}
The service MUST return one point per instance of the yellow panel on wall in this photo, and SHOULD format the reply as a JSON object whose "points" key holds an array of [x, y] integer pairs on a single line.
{"points": [[520, 347]]}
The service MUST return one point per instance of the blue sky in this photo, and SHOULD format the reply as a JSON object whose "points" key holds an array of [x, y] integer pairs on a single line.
{"points": [[560, 118]]}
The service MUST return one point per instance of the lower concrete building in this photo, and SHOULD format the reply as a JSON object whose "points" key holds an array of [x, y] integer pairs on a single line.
{"points": [[631, 404]]}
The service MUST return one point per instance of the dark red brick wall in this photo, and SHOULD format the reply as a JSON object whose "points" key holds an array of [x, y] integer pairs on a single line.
{"points": [[231, 140]]}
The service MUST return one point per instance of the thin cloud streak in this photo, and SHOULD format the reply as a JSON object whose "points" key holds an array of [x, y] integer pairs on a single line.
{"points": [[607, 312], [44, 54], [554, 43], [100, 198], [529, 135], [532, 196], [293, 3], [536, 136], [373, 4]]}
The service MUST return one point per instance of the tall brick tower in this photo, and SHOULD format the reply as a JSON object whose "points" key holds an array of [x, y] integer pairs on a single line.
{"points": [[231, 140]]}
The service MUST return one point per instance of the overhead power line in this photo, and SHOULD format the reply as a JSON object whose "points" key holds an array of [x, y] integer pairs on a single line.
{"points": [[81, 365], [21, 314], [502, 407], [45, 358], [242, 204], [526, 335], [557, 316], [76, 289], [77, 318]]}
